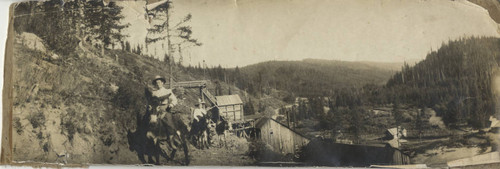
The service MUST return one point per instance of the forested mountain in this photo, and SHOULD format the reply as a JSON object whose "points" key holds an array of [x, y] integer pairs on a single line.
{"points": [[309, 77], [455, 80], [493, 7], [314, 77]]}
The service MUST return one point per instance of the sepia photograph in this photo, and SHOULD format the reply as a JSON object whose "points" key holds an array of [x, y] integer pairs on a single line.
{"points": [[281, 83]]}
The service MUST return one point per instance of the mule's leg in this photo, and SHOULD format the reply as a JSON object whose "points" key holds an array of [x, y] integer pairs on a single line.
{"points": [[150, 159], [220, 140], [186, 151], [164, 154], [172, 154], [205, 139], [199, 140], [225, 143], [141, 158], [202, 141], [157, 153], [171, 143]]}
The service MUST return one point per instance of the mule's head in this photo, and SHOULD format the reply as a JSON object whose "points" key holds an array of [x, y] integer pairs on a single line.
{"points": [[211, 124]]}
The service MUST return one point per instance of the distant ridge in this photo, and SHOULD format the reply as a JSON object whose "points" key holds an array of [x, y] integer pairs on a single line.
{"points": [[318, 76]]}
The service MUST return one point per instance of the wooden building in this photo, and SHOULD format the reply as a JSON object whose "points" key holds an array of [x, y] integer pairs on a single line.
{"points": [[328, 153], [230, 107], [281, 138], [325, 152]]}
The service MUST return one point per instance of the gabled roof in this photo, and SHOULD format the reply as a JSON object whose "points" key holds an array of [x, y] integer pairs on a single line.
{"points": [[228, 100], [261, 121], [393, 131]]}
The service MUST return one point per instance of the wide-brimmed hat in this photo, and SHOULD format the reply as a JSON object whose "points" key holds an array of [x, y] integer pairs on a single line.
{"points": [[158, 77]]}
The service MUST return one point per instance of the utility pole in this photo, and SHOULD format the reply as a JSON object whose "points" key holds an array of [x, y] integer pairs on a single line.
{"points": [[169, 46], [287, 117], [204, 69], [180, 54]]}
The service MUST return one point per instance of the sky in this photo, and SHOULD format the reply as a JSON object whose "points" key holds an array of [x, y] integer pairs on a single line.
{"points": [[243, 32]]}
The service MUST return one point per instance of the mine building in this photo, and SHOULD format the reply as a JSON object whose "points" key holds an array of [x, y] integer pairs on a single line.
{"points": [[230, 107]]}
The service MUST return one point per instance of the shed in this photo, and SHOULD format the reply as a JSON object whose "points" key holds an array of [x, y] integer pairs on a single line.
{"points": [[392, 133], [230, 107], [281, 138], [325, 152]]}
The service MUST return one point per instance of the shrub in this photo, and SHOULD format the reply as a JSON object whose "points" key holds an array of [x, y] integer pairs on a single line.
{"points": [[18, 126], [68, 124], [261, 152], [130, 96], [37, 119]]}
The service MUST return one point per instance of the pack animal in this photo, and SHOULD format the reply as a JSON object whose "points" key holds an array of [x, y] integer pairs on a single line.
{"points": [[152, 133], [142, 145], [220, 130], [200, 131], [178, 140]]}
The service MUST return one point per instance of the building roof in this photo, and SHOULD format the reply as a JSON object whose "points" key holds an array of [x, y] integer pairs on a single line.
{"points": [[261, 121], [487, 158], [253, 116], [228, 100], [400, 166], [393, 131]]}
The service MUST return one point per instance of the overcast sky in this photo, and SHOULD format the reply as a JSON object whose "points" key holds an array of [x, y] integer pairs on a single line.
{"points": [[242, 32]]}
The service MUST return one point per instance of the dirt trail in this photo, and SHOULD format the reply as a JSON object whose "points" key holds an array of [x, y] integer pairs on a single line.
{"points": [[234, 153], [217, 156]]}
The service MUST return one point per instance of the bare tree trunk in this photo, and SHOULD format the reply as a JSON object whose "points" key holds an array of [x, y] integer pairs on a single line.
{"points": [[169, 46]]}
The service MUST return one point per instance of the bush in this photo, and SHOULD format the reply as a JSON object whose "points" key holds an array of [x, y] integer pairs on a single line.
{"points": [[37, 119], [18, 126], [289, 98], [130, 95], [68, 124], [259, 151]]}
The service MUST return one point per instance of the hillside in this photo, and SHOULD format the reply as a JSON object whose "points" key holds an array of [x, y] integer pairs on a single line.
{"points": [[318, 77], [455, 80], [83, 104]]}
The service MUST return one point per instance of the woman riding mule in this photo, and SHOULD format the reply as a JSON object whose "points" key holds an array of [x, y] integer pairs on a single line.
{"points": [[164, 123]]}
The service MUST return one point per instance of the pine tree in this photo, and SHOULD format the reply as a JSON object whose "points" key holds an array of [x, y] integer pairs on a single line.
{"points": [[248, 107], [175, 34], [103, 23], [127, 46]]}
